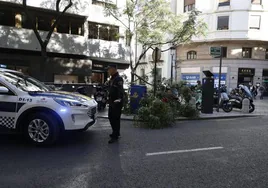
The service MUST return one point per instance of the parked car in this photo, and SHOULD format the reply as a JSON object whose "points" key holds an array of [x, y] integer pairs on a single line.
{"points": [[42, 114]]}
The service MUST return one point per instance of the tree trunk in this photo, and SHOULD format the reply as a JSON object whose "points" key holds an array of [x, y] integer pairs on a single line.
{"points": [[132, 78], [43, 64]]}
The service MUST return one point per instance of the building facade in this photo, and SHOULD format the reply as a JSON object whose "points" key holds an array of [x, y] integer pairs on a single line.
{"points": [[82, 45], [239, 27]]}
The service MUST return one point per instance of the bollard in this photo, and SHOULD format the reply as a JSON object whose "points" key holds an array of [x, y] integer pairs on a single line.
{"points": [[245, 105]]}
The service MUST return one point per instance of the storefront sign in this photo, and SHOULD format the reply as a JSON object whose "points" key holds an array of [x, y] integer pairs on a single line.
{"points": [[246, 71], [191, 78], [98, 65]]}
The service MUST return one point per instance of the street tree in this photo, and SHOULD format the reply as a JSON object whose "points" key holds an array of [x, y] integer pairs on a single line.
{"points": [[153, 24], [61, 7]]}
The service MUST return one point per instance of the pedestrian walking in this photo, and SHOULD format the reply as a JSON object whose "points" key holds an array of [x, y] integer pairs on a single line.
{"points": [[261, 89], [115, 100]]}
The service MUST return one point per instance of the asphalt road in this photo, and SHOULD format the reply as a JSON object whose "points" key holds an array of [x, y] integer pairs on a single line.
{"points": [[87, 161]]}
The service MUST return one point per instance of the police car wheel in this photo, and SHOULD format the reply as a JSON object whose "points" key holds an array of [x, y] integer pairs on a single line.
{"points": [[42, 129]]}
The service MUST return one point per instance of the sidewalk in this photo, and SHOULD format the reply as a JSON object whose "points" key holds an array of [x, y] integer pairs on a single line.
{"points": [[261, 109]]}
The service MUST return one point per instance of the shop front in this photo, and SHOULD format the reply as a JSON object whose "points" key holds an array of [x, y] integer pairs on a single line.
{"points": [[265, 81], [245, 76], [191, 79], [99, 71]]}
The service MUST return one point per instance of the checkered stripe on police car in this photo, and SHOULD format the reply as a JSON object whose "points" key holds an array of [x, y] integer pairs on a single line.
{"points": [[7, 121]]}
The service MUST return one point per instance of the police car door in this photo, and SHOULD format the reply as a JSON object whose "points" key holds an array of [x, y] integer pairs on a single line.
{"points": [[8, 107]]}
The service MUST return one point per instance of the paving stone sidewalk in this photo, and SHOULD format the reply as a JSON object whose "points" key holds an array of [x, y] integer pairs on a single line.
{"points": [[261, 109]]}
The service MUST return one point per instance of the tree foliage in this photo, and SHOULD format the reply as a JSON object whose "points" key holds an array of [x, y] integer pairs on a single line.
{"points": [[152, 23]]}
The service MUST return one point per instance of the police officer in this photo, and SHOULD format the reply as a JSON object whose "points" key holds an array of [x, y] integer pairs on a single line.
{"points": [[115, 99]]}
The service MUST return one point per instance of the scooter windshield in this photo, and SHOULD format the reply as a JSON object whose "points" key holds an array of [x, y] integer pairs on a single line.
{"points": [[248, 93]]}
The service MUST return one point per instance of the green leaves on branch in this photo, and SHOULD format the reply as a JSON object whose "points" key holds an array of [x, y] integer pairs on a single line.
{"points": [[154, 22]]}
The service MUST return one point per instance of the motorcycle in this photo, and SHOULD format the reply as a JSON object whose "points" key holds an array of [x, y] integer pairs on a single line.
{"points": [[238, 95], [225, 104], [101, 97]]}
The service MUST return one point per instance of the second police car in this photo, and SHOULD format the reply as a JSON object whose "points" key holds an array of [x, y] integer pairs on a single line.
{"points": [[30, 107]]}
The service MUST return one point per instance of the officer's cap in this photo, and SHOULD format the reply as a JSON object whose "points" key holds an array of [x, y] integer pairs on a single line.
{"points": [[112, 66]]}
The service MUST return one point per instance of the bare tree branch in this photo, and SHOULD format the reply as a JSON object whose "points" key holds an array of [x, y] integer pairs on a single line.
{"points": [[140, 57], [33, 23], [115, 17], [142, 79], [57, 21], [58, 5]]}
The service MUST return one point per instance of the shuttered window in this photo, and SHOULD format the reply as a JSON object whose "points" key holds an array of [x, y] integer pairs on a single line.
{"points": [[189, 5], [255, 22], [223, 23], [258, 2], [224, 2]]}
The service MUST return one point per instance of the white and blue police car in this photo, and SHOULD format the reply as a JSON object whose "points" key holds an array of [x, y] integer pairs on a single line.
{"points": [[32, 108]]}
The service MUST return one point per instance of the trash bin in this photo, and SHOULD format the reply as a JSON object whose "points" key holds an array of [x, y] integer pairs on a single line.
{"points": [[136, 93]]}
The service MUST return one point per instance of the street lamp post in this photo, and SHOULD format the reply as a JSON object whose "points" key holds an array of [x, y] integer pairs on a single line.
{"points": [[172, 52]]}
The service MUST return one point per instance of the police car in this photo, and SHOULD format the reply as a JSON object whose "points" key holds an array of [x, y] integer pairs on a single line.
{"points": [[32, 108]]}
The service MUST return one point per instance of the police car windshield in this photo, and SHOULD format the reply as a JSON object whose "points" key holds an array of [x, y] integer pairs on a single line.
{"points": [[25, 83]]}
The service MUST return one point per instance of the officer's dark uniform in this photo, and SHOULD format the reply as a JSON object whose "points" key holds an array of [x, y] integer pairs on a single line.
{"points": [[116, 92]]}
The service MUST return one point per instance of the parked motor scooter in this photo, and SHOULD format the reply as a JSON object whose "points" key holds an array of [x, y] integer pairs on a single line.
{"points": [[81, 90], [101, 97], [225, 104], [238, 95]]}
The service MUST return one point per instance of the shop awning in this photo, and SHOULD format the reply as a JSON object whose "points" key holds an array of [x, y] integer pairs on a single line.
{"points": [[108, 60]]}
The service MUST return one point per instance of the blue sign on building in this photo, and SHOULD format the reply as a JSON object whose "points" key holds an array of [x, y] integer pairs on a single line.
{"points": [[223, 76], [216, 79], [191, 78]]}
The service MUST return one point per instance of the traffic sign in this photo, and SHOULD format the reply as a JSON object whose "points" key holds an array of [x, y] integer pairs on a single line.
{"points": [[215, 51], [158, 54]]}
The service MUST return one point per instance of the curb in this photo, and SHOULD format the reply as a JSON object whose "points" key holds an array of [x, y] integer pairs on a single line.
{"points": [[194, 119]]}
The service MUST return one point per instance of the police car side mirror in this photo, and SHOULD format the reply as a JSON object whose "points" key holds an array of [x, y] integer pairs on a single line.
{"points": [[4, 90]]}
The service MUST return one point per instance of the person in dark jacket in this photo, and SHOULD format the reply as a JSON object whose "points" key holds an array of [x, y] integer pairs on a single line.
{"points": [[115, 100]]}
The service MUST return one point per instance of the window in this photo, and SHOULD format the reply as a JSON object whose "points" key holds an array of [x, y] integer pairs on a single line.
{"points": [[246, 52], [224, 3], [143, 76], [189, 5], [223, 23], [191, 55], [77, 27], [113, 33], [266, 54], [44, 23], [257, 2], [63, 26], [158, 75], [128, 35], [103, 32], [93, 30], [224, 53], [143, 50], [26, 23], [254, 22], [7, 17]]}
